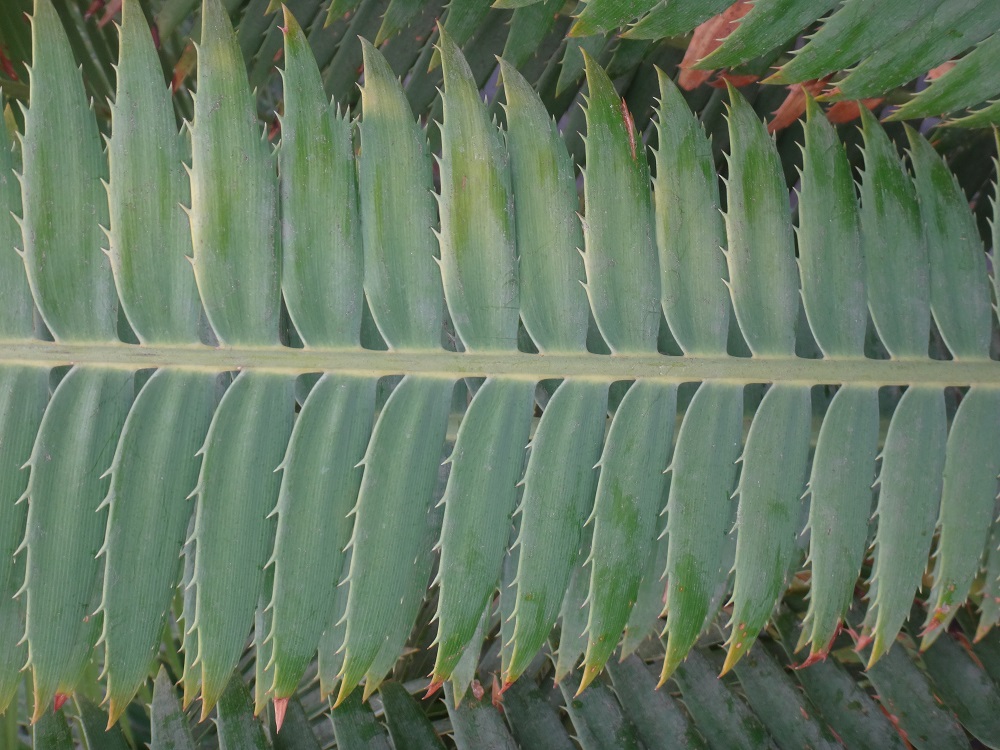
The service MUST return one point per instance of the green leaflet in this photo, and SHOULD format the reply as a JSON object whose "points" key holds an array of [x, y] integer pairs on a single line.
{"points": [[833, 295], [478, 262], [604, 16], [263, 623], [574, 612], [906, 695], [533, 720], [768, 25], [238, 729], [776, 699], [909, 497], [959, 287], [840, 487], [397, 16], [966, 688], [149, 237], [948, 31], [237, 489], [355, 726], [620, 258], [416, 583], [980, 118], [597, 717], [894, 248], [974, 78], [51, 732], [319, 487], [690, 233], [98, 733], [147, 521], [628, 502], [390, 519], [644, 619], [529, 25], [767, 521], [23, 395], [718, 712], [571, 67], [762, 276], [513, 4], [553, 303], [858, 28], [654, 713], [972, 463], [74, 445], [486, 464], [191, 676], [321, 277], [233, 195], [462, 18], [63, 201], [408, 725], [16, 318], [478, 724], [402, 283], [464, 671], [699, 512], [830, 262], [169, 725], [675, 17], [330, 657]]}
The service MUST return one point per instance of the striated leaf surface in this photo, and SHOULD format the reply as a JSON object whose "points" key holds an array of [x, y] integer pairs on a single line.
{"points": [[320, 481], [233, 194], [63, 201], [699, 512], [762, 276], [402, 282], [478, 262], [486, 464], [320, 232], [767, 521], [620, 258], [237, 489], [840, 486], [553, 303], [910, 494], [154, 470], [150, 241], [894, 248], [24, 393], [968, 497], [829, 241], [73, 448], [629, 500], [959, 286], [559, 486], [390, 519], [690, 233]]}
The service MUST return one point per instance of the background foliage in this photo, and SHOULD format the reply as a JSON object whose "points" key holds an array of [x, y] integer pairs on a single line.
{"points": [[892, 67]]}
